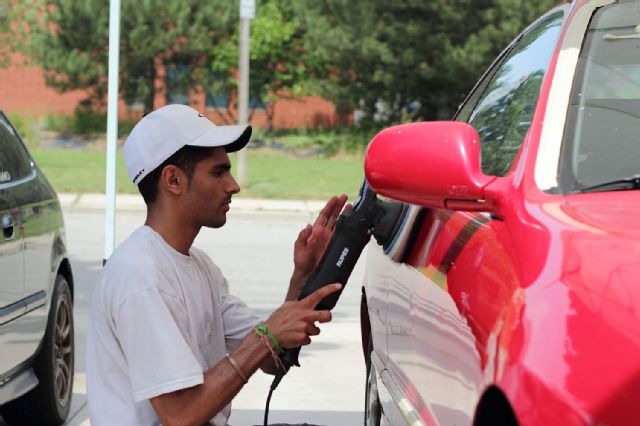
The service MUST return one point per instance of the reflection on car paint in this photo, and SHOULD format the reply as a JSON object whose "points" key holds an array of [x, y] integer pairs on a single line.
{"points": [[423, 318]]}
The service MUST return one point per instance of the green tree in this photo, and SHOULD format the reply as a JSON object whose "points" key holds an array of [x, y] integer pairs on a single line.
{"points": [[5, 30], [278, 63], [69, 40], [408, 59]]}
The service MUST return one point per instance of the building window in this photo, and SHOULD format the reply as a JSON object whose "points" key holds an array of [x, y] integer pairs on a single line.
{"points": [[216, 100], [257, 104], [177, 84]]}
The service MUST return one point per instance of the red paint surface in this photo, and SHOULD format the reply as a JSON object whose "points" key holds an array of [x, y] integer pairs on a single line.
{"points": [[543, 297]]}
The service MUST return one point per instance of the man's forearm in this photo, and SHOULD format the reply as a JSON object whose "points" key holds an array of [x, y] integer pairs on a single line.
{"points": [[292, 324], [295, 285], [198, 404], [269, 365]]}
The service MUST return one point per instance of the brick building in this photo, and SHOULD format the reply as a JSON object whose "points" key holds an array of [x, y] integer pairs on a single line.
{"points": [[23, 91]]}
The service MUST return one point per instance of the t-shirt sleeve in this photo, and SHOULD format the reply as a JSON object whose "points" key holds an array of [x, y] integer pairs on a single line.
{"points": [[238, 320], [237, 317], [158, 357]]}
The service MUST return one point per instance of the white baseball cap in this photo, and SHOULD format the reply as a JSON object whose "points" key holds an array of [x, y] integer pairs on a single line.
{"points": [[164, 131]]}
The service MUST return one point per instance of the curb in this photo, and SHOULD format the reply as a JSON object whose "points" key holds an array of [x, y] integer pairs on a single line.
{"points": [[132, 202]]}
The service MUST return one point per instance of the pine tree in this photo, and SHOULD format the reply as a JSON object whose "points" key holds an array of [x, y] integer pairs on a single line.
{"points": [[402, 60], [69, 40]]}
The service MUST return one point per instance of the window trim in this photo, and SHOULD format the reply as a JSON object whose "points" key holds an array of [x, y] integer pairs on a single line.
{"points": [[31, 176], [487, 76]]}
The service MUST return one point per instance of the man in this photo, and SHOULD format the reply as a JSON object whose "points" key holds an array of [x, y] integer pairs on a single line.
{"points": [[167, 342]]}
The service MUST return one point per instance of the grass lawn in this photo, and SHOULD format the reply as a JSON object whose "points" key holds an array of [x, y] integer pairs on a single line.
{"points": [[270, 174]]}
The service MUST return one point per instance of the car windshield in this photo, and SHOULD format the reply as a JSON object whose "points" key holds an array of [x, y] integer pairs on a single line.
{"points": [[602, 138]]}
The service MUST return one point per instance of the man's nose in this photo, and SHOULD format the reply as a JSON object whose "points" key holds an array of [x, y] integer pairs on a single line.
{"points": [[233, 187]]}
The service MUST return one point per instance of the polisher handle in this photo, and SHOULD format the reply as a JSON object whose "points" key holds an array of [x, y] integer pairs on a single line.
{"points": [[338, 261], [336, 265]]}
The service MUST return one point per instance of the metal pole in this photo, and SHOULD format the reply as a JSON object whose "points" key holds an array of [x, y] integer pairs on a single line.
{"points": [[112, 128], [243, 95]]}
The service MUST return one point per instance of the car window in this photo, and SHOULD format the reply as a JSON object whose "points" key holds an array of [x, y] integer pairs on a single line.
{"points": [[466, 108], [15, 162], [601, 142], [503, 112]]}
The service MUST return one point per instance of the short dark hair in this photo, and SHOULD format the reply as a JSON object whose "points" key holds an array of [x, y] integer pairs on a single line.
{"points": [[186, 158]]}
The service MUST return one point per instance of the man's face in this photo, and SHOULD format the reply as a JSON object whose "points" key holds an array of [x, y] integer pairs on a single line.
{"points": [[210, 189]]}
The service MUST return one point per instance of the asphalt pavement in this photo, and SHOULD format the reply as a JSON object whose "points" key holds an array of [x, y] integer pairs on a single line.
{"points": [[254, 250]]}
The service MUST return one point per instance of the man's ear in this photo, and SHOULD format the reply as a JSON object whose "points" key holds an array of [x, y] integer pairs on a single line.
{"points": [[173, 179]]}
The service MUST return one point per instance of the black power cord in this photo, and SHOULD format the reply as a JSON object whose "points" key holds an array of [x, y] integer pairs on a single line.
{"points": [[266, 408], [274, 385]]}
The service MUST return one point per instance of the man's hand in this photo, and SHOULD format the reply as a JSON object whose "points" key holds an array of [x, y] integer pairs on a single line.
{"points": [[294, 322], [313, 241]]}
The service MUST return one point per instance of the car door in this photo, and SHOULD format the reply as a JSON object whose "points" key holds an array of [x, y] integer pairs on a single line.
{"points": [[461, 279], [38, 212], [14, 171], [11, 253]]}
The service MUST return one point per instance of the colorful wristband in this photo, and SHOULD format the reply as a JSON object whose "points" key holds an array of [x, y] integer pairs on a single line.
{"points": [[262, 329]]}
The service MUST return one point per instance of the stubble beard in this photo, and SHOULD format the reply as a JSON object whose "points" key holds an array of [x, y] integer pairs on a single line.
{"points": [[216, 222]]}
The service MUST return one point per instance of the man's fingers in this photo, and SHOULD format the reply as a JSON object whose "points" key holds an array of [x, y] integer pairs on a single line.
{"points": [[326, 211], [337, 208], [306, 230], [304, 233], [296, 340], [323, 316], [312, 330], [314, 298], [331, 210], [312, 316]]}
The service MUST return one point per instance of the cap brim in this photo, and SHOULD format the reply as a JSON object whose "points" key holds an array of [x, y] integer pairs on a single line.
{"points": [[231, 138]]}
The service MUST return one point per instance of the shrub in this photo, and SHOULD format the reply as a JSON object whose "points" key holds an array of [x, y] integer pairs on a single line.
{"points": [[58, 123], [25, 128], [85, 121]]}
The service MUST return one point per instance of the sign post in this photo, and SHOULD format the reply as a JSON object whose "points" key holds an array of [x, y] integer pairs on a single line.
{"points": [[247, 12]]}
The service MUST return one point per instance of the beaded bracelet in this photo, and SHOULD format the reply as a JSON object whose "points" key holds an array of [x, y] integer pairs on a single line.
{"points": [[262, 329]]}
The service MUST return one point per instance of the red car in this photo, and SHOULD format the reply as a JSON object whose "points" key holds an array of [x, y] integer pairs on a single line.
{"points": [[511, 293]]}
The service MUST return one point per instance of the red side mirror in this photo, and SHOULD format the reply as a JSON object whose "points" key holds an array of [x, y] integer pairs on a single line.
{"points": [[432, 164]]}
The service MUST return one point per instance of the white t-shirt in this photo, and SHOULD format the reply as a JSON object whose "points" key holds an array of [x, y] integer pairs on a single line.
{"points": [[159, 320]]}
